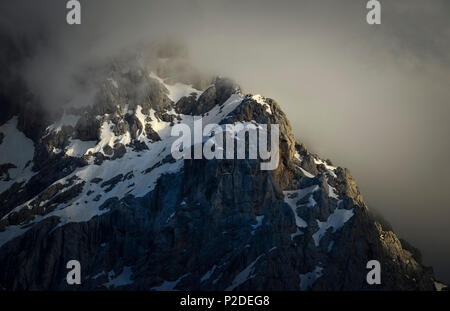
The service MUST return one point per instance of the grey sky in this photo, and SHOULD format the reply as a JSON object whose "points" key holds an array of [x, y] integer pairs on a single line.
{"points": [[375, 99]]}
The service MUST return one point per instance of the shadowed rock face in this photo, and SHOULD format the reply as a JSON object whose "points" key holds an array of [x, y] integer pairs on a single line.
{"points": [[214, 95], [209, 225]]}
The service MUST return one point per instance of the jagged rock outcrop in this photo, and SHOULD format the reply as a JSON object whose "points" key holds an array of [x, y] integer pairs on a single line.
{"points": [[103, 188]]}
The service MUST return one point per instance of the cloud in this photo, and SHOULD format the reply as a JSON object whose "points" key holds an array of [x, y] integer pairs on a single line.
{"points": [[371, 98]]}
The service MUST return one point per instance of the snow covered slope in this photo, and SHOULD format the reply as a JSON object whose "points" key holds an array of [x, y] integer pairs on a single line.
{"points": [[100, 185]]}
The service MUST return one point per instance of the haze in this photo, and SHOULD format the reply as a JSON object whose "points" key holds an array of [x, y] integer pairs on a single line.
{"points": [[374, 99]]}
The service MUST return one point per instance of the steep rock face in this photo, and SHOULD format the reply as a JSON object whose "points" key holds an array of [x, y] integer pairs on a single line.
{"points": [[215, 95], [105, 190]]}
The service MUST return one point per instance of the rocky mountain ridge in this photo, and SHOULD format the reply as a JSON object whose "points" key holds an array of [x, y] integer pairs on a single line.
{"points": [[98, 184]]}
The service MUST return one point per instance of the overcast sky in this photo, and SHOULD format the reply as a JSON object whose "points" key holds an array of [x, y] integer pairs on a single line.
{"points": [[375, 99]]}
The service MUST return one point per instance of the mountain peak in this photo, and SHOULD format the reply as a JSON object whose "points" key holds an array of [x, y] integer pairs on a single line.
{"points": [[99, 184]]}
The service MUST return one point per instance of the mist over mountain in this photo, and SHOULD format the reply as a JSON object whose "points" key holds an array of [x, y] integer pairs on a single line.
{"points": [[100, 184], [372, 99]]}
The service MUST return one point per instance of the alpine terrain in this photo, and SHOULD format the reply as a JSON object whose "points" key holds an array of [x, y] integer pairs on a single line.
{"points": [[95, 181]]}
